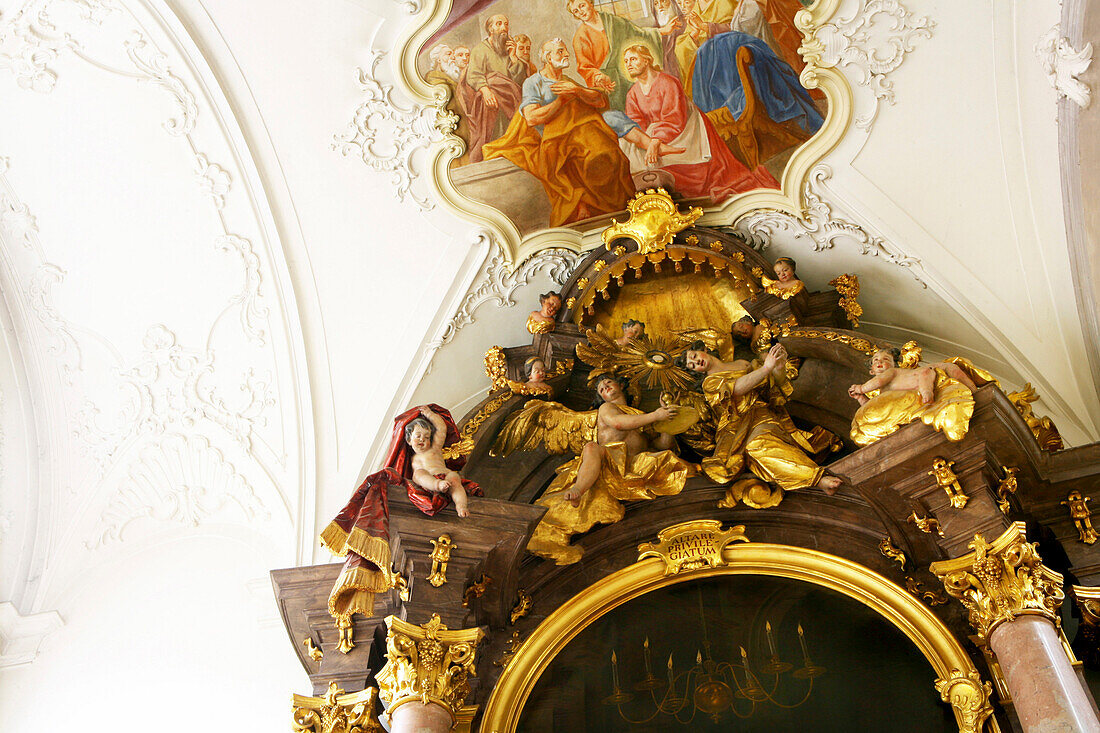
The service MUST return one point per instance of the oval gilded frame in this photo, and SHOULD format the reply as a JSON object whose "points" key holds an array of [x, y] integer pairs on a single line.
{"points": [[909, 615], [819, 73]]}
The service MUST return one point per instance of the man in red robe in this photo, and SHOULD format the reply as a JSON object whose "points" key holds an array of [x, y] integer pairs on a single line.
{"points": [[657, 103]]}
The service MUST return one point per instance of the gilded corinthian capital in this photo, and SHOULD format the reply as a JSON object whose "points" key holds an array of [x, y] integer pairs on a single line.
{"points": [[428, 664], [337, 712], [1001, 580]]}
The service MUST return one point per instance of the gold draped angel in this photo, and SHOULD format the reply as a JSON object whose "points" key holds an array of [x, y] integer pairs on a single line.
{"points": [[940, 395], [748, 431], [619, 459]]}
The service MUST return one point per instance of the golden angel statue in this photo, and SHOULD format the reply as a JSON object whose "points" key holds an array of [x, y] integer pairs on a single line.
{"points": [[900, 392], [620, 457]]}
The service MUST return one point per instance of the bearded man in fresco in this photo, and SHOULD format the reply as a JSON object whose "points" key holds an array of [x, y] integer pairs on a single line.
{"points": [[446, 72], [599, 43], [560, 137], [494, 76]]}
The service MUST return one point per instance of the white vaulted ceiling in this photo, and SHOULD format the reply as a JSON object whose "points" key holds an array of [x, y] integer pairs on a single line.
{"points": [[210, 314]]}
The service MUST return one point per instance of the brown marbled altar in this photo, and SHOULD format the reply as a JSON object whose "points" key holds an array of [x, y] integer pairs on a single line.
{"points": [[885, 483]]}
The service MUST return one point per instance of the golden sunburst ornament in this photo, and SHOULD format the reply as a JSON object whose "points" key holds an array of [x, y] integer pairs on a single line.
{"points": [[646, 361]]}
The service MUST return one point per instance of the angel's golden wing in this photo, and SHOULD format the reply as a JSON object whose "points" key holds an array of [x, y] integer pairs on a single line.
{"points": [[601, 352], [548, 424]]}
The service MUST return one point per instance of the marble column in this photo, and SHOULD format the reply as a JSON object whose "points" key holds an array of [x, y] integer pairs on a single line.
{"points": [[418, 717], [1045, 689], [1013, 601]]}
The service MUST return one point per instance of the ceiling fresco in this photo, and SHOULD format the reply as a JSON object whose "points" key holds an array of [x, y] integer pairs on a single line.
{"points": [[565, 110]]}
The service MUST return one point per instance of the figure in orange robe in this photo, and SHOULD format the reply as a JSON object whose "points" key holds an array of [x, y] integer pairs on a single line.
{"points": [[560, 137]]}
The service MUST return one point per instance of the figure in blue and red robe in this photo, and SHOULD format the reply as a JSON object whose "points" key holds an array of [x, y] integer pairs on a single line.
{"points": [[361, 530]]}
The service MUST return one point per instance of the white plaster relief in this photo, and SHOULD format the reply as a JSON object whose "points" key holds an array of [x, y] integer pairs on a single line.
{"points": [[388, 136], [17, 220], [168, 387], [213, 180], [412, 7], [178, 480], [21, 636], [498, 280], [252, 313], [822, 227], [875, 40], [34, 37], [1063, 65]]}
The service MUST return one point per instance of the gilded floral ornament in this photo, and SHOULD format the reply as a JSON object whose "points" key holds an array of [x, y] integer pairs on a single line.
{"points": [[337, 712], [969, 696], [496, 368], [692, 545], [522, 607], [928, 524], [1006, 487], [888, 549], [654, 221], [441, 555], [848, 287], [1080, 513], [427, 664], [1001, 580], [1043, 428]]}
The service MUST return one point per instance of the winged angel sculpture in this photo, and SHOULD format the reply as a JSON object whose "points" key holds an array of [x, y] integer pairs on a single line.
{"points": [[620, 457], [625, 453]]}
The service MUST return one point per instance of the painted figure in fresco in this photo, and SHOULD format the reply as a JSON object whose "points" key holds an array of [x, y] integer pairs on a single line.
{"points": [[425, 435], [445, 71], [523, 53], [544, 319], [632, 329], [657, 103], [599, 43], [772, 21], [786, 285], [666, 14], [361, 530], [748, 434], [462, 59], [619, 460], [716, 87], [495, 75], [939, 395], [561, 138]]}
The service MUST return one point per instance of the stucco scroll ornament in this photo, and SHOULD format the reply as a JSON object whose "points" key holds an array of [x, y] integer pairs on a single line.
{"points": [[969, 696], [874, 39], [822, 226], [498, 279], [1063, 65], [181, 480], [388, 136], [169, 385], [427, 664], [999, 581]]}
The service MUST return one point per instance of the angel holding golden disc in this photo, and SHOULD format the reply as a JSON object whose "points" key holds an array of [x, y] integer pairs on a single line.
{"points": [[619, 458]]}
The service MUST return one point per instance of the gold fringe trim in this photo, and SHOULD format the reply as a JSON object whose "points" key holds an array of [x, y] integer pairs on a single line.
{"points": [[334, 539], [355, 588], [371, 549], [354, 592]]}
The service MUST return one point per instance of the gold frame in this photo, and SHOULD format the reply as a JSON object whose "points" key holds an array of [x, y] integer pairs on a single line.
{"points": [[909, 615], [818, 74]]}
